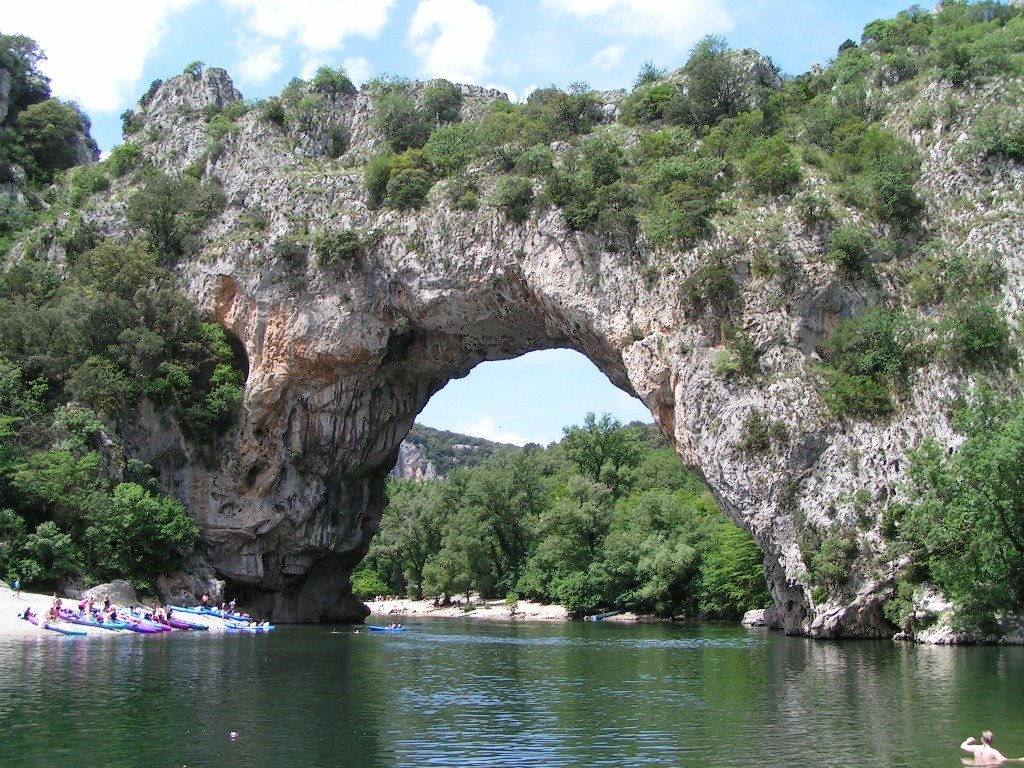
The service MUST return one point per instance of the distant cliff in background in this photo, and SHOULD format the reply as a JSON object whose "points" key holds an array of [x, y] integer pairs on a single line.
{"points": [[428, 454]]}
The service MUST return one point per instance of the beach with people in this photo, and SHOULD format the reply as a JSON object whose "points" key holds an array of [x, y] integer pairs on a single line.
{"points": [[521, 610]]}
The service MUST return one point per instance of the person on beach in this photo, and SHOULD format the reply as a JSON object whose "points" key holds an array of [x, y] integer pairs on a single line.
{"points": [[17, 587], [984, 753]]}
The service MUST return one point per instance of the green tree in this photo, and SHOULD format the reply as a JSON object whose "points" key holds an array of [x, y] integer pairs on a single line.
{"points": [[411, 528], [964, 526], [54, 551], [172, 211], [21, 56], [139, 534], [731, 574], [333, 81], [714, 82], [602, 450], [49, 135], [771, 166], [442, 101]]}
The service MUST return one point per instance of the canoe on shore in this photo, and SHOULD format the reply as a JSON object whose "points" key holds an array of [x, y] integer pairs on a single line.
{"points": [[211, 612], [177, 623], [85, 622], [54, 628]]}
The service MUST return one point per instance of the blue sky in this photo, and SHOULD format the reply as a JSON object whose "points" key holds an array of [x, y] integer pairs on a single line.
{"points": [[103, 54]]}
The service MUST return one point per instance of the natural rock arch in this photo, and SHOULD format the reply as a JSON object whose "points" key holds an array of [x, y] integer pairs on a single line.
{"points": [[342, 358]]}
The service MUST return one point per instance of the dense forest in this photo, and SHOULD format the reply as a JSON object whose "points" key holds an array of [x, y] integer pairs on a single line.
{"points": [[92, 327], [606, 518]]}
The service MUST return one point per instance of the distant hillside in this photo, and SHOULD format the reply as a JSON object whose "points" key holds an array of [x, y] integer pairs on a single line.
{"points": [[450, 450]]}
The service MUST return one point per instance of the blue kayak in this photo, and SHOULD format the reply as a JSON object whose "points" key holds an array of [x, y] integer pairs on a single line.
{"points": [[54, 628], [231, 627], [93, 623], [385, 629], [211, 612]]}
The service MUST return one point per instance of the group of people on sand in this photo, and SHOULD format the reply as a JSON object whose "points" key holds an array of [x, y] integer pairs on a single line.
{"points": [[984, 753]]}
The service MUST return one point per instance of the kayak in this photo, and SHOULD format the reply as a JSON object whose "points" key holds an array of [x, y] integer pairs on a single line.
{"points": [[157, 625], [230, 627], [211, 612], [385, 629], [78, 619], [54, 628], [140, 626], [182, 624]]}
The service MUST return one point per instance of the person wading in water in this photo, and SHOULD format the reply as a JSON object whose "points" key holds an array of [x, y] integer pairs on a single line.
{"points": [[984, 753]]}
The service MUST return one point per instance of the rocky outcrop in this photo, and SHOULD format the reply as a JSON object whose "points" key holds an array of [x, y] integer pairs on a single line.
{"points": [[413, 463], [342, 359]]}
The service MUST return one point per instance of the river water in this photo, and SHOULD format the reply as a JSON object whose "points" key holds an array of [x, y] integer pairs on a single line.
{"points": [[465, 693]]}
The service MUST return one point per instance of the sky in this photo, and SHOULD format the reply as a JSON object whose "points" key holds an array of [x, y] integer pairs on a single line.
{"points": [[104, 54]]}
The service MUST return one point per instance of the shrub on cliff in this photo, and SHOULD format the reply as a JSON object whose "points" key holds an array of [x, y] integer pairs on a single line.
{"points": [[976, 335], [867, 357], [850, 246], [513, 195], [336, 248], [395, 114], [771, 166], [507, 131], [679, 196], [442, 101], [452, 147], [333, 81], [172, 211], [564, 115], [714, 82], [124, 158]]}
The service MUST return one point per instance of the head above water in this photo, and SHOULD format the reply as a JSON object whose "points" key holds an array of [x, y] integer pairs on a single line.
{"points": [[986, 736]]}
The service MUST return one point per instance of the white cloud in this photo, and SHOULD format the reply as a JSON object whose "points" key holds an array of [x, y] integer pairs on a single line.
{"points": [[317, 25], [310, 64], [358, 68], [608, 57], [485, 427], [513, 96], [95, 53], [679, 22], [262, 60], [453, 38]]}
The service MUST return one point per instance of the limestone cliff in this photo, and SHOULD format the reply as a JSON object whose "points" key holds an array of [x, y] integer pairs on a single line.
{"points": [[413, 463], [342, 359]]}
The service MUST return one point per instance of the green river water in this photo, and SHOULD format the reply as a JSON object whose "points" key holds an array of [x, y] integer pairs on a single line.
{"points": [[465, 693]]}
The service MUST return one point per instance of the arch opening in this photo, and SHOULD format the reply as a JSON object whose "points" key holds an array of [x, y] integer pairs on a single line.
{"points": [[537, 479]]}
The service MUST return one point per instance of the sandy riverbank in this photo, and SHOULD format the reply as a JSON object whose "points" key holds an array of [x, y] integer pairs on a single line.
{"points": [[12, 607], [482, 609]]}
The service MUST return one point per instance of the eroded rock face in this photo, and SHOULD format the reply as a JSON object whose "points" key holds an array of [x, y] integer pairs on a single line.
{"points": [[413, 463], [342, 359]]}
